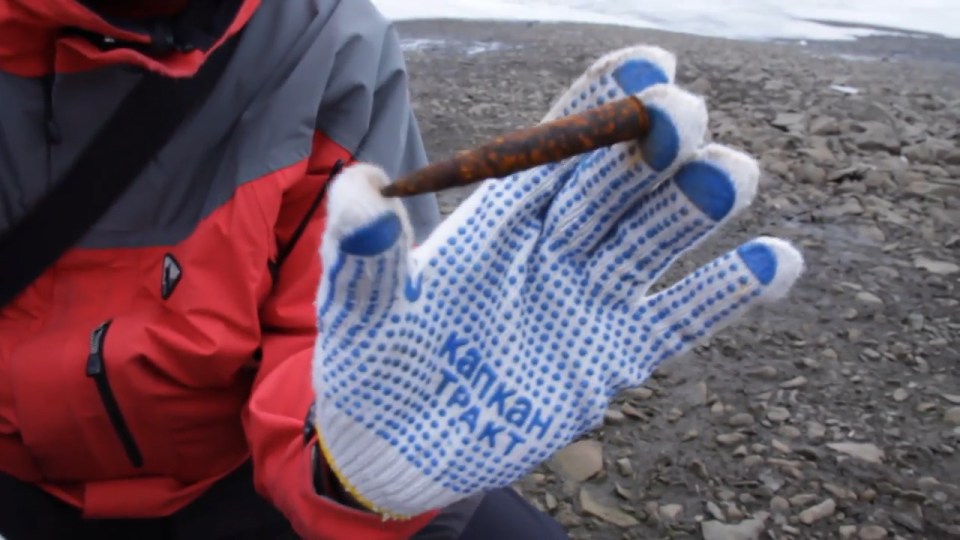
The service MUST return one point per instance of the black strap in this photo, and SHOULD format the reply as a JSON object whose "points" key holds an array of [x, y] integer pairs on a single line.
{"points": [[287, 249], [142, 124]]}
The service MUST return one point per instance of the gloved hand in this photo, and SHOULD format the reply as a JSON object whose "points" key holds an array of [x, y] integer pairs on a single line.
{"points": [[462, 364]]}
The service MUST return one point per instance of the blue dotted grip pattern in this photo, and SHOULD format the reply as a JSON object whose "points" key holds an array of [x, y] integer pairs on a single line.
{"points": [[528, 310]]}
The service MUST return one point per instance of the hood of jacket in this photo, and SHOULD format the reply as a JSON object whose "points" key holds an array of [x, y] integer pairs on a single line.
{"points": [[173, 37]]}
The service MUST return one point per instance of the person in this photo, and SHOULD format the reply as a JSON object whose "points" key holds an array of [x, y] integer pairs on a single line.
{"points": [[219, 359]]}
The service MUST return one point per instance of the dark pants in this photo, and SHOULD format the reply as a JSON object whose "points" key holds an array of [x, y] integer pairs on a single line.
{"points": [[231, 510]]}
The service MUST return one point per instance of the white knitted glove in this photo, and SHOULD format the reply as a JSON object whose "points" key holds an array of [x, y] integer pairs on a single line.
{"points": [[459, 366]]}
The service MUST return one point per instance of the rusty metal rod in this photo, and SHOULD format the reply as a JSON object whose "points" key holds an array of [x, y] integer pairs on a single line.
{"points": [[618, 121]]}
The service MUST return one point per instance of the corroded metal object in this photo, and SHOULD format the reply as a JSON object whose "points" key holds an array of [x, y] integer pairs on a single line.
{"points": [[614, 122]]}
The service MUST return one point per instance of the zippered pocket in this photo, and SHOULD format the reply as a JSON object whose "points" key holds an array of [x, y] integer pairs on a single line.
{"points": [[97, 370]]}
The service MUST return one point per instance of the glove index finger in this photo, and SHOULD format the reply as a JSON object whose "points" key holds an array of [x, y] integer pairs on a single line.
{"points": [[615, 75]]}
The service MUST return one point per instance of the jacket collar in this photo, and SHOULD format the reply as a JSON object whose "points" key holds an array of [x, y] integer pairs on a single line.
{"points": [[56, 36]]}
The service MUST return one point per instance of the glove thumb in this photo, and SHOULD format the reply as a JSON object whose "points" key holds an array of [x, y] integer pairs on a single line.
{"points": [[365, 251]]}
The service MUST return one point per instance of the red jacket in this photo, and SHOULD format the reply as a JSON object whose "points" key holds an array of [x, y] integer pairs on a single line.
{"points": [[162, 352]]}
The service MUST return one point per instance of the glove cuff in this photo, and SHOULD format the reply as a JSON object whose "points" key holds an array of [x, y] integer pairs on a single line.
{"points": [[373, 471]]}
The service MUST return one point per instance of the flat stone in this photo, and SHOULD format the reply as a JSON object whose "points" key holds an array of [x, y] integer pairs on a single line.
{"points": [[749, 529], [926, 406], [790, 432], [849, 207], [810, 363], [779, 504], [789, 121], [817, 512], [741, 420], [726, 495], [610, 514], [936, 267], [877, 136], [913, 495], [864, 451], [952, 416], [730, 439], [568, 519], [580, 460], [640, 393], [928, 483], [778, 414], [715, 511], [824, 125], [795, 382], [733, 511], [839, 492], [781, 447], [816, 431], [809, 173], [907, 521], [847, 531], [764, 372], [803, 499], [614, 417], [631, 411], [872, 532], [671, 512]]}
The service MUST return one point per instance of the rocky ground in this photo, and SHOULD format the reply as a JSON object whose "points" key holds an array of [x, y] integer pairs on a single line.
{"points": [[833, 415]]}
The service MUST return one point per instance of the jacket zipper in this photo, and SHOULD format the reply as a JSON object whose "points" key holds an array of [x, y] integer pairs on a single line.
{"points": [[97, 370], [52, 133]]}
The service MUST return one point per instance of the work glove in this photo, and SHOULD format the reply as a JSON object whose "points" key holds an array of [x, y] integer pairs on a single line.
{"points": [[459, 365]]}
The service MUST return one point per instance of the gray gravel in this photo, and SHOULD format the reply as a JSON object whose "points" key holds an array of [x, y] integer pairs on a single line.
{"points": [[833, 415]]}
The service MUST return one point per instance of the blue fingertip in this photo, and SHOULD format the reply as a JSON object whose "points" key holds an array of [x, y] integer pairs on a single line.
{"points": [[638, 75], [708, 187], [760, 259], [374, 238], [662, 144]]}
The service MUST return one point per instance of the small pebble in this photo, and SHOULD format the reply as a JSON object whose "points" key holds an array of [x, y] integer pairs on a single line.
{"points": [[778, 414], [790, 432], [847, 531], [781, 447], [817, 512], [795, 382], [614, 417], [730, 439], [779, 504], [671, 512], [741, 420], [872, 532]]}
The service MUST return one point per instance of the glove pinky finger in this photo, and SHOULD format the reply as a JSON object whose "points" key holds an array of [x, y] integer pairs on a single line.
{"points": [[715, 295]]}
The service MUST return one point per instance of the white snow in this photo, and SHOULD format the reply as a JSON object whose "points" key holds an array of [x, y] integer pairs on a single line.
{"points": [[741, 19], [844, 89]]}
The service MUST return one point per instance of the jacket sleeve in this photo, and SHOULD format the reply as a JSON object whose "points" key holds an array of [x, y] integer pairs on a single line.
{"points": [[365, 115]]}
